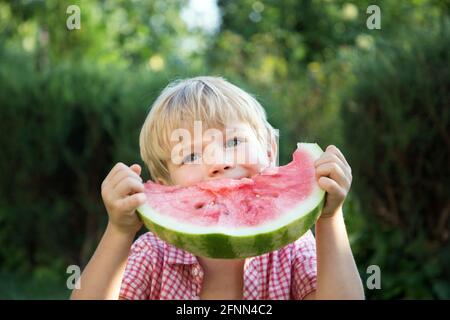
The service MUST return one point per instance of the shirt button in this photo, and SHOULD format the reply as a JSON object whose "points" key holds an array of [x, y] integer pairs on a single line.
{"points": [[195, 271]]}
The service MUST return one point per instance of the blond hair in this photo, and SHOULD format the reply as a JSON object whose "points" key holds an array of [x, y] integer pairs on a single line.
{"points": [[212, 100]]}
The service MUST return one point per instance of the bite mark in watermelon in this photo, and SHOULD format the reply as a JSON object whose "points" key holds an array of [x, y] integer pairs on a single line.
{"points": [[231, 218]]}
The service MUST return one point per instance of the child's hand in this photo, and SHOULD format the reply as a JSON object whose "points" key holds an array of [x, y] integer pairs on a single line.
{"points": [[122, 193], [335, 177]]}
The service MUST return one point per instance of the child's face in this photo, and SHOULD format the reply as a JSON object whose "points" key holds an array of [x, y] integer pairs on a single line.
{"points": [[233, 152]]}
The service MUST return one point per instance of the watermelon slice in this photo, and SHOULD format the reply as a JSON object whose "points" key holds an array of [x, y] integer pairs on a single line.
{"points": [[231, 218]]}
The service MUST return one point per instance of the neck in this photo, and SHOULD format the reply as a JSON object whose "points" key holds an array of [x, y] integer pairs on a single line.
{"points": [[222, 266]]}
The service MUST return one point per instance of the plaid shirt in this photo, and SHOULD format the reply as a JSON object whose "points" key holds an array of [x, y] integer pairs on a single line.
{"points": [[159, 271]]}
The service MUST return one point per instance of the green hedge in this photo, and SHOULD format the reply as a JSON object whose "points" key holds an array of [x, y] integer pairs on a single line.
{"points": [[397, 131], [63, 128]]}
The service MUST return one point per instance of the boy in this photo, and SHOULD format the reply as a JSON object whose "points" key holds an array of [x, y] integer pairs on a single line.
{"points": [[321, 268]]}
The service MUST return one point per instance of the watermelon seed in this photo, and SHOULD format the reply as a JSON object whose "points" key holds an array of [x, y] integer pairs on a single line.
{"points": [[199, 205], [275, 195]]}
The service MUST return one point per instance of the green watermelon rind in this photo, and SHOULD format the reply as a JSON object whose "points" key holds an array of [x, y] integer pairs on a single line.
{"points": [[223, 245]]}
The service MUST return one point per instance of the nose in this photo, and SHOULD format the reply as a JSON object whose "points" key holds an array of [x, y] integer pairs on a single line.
{"points": [[219, 169]]}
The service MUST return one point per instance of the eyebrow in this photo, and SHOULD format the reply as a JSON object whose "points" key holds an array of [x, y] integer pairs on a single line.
{"points": [[235, 131]]}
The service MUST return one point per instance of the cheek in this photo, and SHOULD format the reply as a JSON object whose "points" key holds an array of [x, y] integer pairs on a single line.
{"points": [[187, 175], [253, 169], [257, 161], [247, 154], [257, 156]]}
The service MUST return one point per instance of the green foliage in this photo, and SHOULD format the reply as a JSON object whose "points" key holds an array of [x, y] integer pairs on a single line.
{"points": [[72, 102], [270, 41], [64, 128], [44, 284], [114, 31], [397, 132]]}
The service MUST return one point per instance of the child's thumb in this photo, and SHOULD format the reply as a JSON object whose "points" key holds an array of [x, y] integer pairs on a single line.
{"points": [[136, 168]]}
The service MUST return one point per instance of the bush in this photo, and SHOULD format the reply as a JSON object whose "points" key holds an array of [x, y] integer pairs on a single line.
{"points": [[63, 128], [397, 128]]}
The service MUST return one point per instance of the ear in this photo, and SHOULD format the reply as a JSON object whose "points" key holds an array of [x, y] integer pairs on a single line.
{"points": [[272, 152]]}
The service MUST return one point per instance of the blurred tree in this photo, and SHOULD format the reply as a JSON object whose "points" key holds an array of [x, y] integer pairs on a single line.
{"points": [[397, 132], [285, 35], [113, 31]]}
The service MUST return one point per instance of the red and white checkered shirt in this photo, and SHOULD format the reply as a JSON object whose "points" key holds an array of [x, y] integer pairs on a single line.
{"points": [[159, 271]]}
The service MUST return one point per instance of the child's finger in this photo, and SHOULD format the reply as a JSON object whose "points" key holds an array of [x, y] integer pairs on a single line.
{"points": [[328, 157], [338, 153], [330, 186], [132, 202], [123, 174], [136, 168], [333, 158], [334, 171], [128, 186], [114, 170]]}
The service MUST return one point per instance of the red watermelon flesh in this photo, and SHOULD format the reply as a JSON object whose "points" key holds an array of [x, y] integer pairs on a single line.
{"points": [[237, 203]]}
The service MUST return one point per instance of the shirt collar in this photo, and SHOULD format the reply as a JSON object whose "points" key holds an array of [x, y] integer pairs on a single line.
{"points": [[175, 255]]}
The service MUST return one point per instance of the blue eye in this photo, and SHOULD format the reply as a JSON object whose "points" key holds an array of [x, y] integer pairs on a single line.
{"points": [[233, 142], [191, 158]]}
